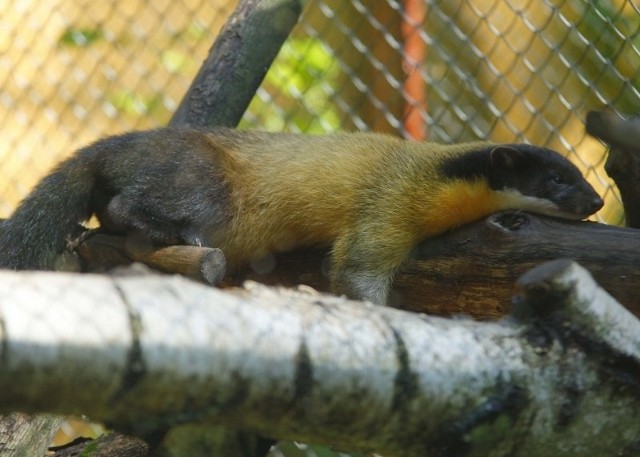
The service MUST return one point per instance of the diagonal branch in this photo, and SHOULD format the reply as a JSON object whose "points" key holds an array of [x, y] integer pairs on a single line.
{"points": [[237, 63]]}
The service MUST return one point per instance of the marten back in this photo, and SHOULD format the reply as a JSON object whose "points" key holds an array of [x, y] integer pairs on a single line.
{"points": [[288, 190]]}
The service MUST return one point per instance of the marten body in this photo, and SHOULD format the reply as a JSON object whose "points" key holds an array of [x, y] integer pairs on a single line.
{"points": [[372, 196]]}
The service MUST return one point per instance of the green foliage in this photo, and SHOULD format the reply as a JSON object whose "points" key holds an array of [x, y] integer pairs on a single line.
{"points": [[596, 15], [618, 45], [301, 61], [196, 31], [172, 59], [175, 61], [134, 104], [304, 73], [80, 37]]}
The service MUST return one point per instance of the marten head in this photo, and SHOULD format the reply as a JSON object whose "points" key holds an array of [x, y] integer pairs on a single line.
{"points": [[534, 178]]}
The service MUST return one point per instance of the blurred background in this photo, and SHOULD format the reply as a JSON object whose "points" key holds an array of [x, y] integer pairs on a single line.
{"points": [[73, 71]]}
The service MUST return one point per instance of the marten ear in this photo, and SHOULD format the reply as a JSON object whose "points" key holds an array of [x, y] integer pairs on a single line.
{"points": [[505, 157]]}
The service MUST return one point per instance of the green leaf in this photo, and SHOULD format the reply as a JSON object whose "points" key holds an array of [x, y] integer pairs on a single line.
{"points": [[80, 37], [174, 61]]}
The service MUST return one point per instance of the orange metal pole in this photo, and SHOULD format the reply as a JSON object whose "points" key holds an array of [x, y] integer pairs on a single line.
{"points": [[414, 54]]}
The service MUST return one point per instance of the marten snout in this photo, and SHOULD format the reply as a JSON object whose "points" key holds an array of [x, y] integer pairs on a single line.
{"points": [[588, 205], [594, 205]]}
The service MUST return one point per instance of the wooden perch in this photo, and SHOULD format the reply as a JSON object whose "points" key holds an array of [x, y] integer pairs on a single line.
{"points": [[623, 162], [471, 270], [475, 267], [140, 353], [218, 96], [102, 252]]}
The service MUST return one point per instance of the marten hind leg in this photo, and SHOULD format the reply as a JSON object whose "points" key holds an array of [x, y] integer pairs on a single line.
{"points": [[186, 217], [123, 216]]}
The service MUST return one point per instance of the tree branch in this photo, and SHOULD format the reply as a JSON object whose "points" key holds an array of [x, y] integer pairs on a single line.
{"points": [[445, 268], [237, 62], [557, 379], [22, 435], [101, 252], [108, 445]]}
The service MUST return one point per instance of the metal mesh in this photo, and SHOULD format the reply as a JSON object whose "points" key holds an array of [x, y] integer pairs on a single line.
{"points": [[506, 71], [76, 70], [503, 70]]}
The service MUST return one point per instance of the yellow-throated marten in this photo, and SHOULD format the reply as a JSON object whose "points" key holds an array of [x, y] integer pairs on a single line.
{"points": [[373, 196]]}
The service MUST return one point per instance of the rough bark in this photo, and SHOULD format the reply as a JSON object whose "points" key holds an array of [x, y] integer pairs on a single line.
{"points": [[558, 378], [22, 434], [237, 63], [100, 253], [109, 445], [471, 270]]}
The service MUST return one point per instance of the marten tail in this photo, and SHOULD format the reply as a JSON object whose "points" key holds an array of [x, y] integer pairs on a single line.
{"points": [[40, 227]]}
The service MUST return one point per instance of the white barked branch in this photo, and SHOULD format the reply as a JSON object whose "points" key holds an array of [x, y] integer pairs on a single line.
{"points": [[558, 377]]}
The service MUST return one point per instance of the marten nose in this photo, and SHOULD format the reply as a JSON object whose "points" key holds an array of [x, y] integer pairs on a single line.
{"points": [[596, 204]]}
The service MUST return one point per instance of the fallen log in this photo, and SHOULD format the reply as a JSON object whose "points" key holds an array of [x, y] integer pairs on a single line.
{"points": [[471, 270]]}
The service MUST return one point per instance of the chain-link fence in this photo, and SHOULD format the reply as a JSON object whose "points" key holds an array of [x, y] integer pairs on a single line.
{"points": [[76, 70], [504, 70]]}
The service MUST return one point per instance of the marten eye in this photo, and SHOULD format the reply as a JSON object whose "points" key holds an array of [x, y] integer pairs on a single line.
{"points": [[555, 178]]}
